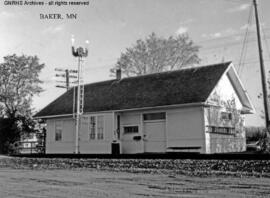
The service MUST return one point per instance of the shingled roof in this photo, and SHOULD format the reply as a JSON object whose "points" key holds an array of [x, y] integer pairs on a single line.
{"points": [[184, 86]]}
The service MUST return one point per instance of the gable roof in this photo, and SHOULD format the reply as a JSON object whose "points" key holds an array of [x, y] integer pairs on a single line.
{"points": [[240, 91], [192, 85]]}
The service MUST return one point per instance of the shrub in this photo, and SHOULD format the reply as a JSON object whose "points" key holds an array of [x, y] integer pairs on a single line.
{"points": [[259, 134]]}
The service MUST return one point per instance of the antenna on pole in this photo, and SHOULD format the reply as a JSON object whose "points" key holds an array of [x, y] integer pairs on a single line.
{"points": [[262, 68], [80, 53], [67, 75]]}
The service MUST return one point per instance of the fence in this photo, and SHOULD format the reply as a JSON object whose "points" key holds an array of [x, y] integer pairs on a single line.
{"points": [[31, 147]]}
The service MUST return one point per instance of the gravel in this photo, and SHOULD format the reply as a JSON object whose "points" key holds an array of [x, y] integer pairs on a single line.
{"points": [[257, 168]]}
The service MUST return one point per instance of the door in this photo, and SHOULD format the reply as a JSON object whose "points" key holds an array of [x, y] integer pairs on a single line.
{"points": [[131, 140], [154, 136]]}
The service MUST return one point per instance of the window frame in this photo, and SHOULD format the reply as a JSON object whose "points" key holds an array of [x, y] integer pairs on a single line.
{"points": [[145, 119], [218, 130], [97, 127], [129, 126], [57, 137], [226, 115], [100, 136]]}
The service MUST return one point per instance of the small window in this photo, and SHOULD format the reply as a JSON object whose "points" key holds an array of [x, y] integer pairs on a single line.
{"points": [[100, 129], [131, 129], [92, 128], [58, 131], [96, 127], [221, 130], [154, 116], [226, 116]]}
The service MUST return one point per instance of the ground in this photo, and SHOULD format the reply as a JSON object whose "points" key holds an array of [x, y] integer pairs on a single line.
{"points": [[22, 177]]}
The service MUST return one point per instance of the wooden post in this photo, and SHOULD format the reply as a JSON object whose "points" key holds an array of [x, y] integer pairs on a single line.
{"points": [[262, 68], [67, 79]]}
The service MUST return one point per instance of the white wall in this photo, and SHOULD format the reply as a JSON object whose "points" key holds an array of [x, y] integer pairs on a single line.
{"points": [[67, 144], [218, 142], [87, 146], [185, 128], [224, 91]]}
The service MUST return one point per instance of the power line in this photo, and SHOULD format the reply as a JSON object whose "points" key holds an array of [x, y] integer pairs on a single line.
{"points": [[227, 36], [228, 45], [266, 43], [235, 1], [255, 61], [224, 37], [264, 34], [244, 48]]}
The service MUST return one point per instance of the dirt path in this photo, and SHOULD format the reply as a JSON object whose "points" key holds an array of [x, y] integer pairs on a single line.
{"points": [[91, 183]]}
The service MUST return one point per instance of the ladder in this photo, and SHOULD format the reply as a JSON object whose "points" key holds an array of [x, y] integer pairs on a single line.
{"points": [[79, 104], [81, 86]]}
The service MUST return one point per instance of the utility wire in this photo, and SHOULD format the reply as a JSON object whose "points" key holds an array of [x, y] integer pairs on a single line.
{"points": [[266, 42], [231, 43], [255, 61], [264, 34], [235, 1], [244, 47], [225, 37]]}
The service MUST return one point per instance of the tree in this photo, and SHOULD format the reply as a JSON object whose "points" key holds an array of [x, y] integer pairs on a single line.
{"points": [[157, 54], [19, 82]]}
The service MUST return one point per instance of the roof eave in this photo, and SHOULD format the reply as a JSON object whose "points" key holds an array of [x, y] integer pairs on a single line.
{"points": [[250, 106], [196, 104], [52, 116]]}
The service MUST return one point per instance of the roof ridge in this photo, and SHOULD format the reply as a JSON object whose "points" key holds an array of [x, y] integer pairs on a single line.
{"points": [[99, 82], [157, 73]]}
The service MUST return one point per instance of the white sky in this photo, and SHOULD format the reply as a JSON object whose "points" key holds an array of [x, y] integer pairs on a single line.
{"points": [[111, 26]]}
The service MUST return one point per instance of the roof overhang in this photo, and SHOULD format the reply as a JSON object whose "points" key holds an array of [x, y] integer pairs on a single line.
{"points": [[197, 104], [248, 107], [52, 116]]}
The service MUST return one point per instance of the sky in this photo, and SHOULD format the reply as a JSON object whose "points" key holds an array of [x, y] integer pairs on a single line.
{"points": [[217, 26]]}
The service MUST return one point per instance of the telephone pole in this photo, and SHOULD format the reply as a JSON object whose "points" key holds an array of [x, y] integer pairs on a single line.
{"points": [[262, 68]]}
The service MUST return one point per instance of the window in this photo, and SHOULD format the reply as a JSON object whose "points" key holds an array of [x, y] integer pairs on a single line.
{"points": [[226, 116], [154, 116], [100, 124], [221, 130], [131, 129], [58, 131], [92, 128], [96, 127]]}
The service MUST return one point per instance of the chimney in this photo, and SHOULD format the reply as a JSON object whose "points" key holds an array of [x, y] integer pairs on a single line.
{"points": [[118, 74]]}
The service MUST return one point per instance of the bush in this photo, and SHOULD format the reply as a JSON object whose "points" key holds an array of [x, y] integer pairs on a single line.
{"points": [[254, 133], [11, 130], [265, 143], [259, 134]]}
